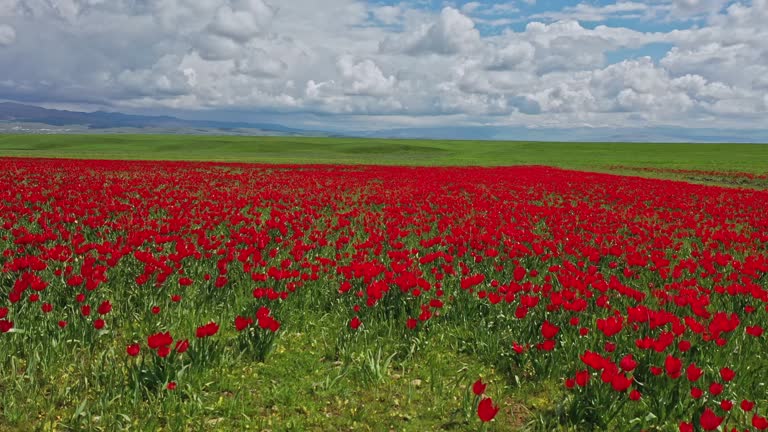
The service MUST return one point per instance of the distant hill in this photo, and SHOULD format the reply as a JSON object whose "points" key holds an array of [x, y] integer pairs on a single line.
{"points": [[21, 118], [579, 134], [102, 120]]}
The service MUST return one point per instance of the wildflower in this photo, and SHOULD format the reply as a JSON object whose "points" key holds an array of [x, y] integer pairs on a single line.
{"points": [[486, 410]]}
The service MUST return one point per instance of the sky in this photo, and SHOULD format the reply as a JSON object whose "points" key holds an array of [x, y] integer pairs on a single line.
{"points": [[350, 64]]}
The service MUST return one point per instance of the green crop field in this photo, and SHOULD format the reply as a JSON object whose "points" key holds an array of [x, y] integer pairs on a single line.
{"points": [[718, 157]]}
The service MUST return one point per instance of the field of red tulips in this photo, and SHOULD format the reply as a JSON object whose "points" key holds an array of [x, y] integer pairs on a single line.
{"points": [[208, 296]]}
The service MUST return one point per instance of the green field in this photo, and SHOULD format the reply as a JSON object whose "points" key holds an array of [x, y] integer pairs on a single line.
{"points": [[751, 158], [407, 392]]}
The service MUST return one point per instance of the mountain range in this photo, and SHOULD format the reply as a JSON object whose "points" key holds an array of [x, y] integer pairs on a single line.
{"points": [[103, 121], [21, 118]]}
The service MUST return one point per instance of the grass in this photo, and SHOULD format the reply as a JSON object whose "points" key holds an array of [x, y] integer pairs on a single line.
{"points": [[305, 385], [752, 158], [408, 393]]}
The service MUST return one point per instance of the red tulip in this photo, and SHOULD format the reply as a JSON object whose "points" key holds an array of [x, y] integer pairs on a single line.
{"points": [[478, 388], [727, 374], [759, 422], [549, 330], [354, 324], [709, 420], [133, 350], [486, 410], [628, 363], [207, 330]]}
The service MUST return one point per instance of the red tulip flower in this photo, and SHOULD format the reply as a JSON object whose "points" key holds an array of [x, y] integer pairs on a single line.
{"points": [[478, 388], [486, 410]]}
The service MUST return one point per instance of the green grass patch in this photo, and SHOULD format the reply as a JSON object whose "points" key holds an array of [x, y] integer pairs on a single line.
{"points": [[751, 158]]}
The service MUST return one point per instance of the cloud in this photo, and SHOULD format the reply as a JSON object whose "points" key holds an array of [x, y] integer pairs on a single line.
{"points": [[470, 7], [242, 21], [214, 47], [514, 55], [364, 77], [686, 8], [653, 10], [259, 63], [7, 35], [388, 15], [403, 62], [588, 12], [452, 33], [163, 80], [567, 45]]}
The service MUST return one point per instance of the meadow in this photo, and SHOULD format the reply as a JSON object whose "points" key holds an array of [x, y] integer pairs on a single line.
{"points": [[750, 158], [357, 293]]}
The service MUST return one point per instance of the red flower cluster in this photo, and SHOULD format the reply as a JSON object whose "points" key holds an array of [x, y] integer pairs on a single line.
{"points": [[207, 330], [620, 286]]}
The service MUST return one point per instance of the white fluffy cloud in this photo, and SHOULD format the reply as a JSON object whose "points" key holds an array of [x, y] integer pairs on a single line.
{"points": [[399, 60], [242, 21], [364, 77], [451, 33]]}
